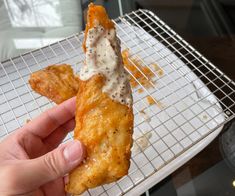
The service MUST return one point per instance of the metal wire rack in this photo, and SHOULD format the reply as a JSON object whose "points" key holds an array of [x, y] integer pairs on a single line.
{"points": [[197, 97]]}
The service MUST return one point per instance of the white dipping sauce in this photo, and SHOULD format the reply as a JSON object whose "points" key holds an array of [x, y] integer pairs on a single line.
{"points": [[103, 56]]}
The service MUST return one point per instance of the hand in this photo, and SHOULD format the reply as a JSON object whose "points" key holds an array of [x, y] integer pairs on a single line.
{"points": [[28, 166]]}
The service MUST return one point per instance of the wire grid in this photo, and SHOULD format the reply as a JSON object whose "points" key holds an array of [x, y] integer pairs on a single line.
{"points": [[190, 112]]}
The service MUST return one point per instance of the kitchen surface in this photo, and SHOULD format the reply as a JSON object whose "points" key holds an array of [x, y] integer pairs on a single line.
{"points": [[208, 25]]}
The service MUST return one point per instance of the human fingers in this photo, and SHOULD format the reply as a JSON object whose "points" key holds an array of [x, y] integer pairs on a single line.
{"points": [[53, 118], [56, 137], [55, 187], [51, 166]]}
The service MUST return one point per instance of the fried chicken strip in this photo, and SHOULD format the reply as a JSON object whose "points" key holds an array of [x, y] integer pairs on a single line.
{"points": [[56, 82], [105, 128], [104, 119]]}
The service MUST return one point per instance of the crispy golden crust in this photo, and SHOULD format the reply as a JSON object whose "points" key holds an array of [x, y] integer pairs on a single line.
{"points": [[56, 82], [105, 128]]}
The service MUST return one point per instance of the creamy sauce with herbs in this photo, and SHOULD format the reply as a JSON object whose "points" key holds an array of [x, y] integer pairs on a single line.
{"points": [[103, 56]]}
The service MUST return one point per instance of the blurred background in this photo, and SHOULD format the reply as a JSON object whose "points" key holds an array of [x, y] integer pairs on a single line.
{"points": [[209, 25], [29, 24]]}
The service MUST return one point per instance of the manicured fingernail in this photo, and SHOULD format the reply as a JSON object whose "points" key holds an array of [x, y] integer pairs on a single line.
{"points": [[74, 152]]}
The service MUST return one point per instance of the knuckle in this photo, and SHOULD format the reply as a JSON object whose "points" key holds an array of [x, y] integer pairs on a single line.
{"points": [[52, 164]]}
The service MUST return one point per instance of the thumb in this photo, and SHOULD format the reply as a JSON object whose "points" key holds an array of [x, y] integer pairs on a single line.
{"points": [[54, 164]]}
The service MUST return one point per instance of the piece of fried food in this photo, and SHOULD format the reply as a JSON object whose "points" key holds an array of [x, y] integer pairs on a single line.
{"points": [[96, 15], [56, 82], [105, 127]]}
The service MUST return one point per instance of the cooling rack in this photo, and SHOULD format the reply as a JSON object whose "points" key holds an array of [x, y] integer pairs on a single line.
{"points": [[193, 99]]}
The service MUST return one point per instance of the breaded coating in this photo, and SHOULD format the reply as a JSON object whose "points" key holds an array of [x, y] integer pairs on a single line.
{"points": [[105, 127], [56, 82]]}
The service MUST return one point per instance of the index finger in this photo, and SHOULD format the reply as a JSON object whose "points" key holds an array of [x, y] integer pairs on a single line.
{"points": [[48, 121]]}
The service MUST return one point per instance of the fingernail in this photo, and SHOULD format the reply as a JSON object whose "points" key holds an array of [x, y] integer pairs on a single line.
{"points": [[74, 152]]}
